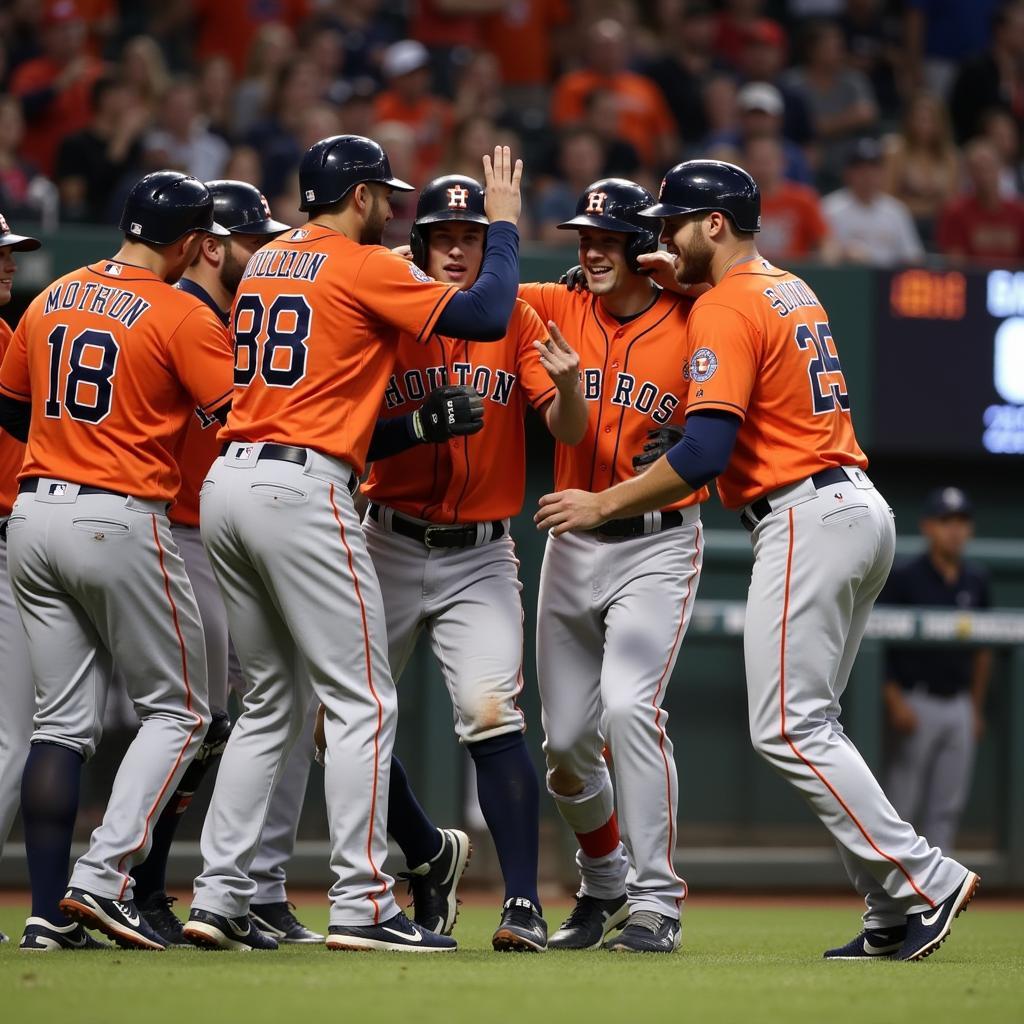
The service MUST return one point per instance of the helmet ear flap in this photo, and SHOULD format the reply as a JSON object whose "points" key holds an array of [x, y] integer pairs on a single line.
{"points": [[418, 244], [639, 244]]}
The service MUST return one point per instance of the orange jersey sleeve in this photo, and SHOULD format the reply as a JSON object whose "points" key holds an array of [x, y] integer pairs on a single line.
{"points": [[12, 451], [316, 324], [96, 355], [632, 377], [761, 347], [470, 479]]}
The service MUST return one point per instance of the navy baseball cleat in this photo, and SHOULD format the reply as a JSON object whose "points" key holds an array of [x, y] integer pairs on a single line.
{"points": [[647, 931], [590, 922], [522, 929], [215, 931], [928, 930], [871, 944], [433, 885], [119, 921], [42, 937], [4, 938], [157, 913], [395, 935], [278, 921]]}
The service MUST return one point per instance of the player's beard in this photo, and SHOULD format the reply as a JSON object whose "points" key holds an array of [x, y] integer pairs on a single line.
{"points": [[693, 266], [376, 221], [232, 270]]}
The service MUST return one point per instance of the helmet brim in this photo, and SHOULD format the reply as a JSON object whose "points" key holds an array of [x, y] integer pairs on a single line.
{"points": [[19, 243], [261, 227], [584, 220], [659, 210], [441, 216], [398, 185], [216, 229]]}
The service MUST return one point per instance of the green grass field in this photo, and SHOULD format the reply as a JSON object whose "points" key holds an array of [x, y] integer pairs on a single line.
{"points": [[736, 965]]}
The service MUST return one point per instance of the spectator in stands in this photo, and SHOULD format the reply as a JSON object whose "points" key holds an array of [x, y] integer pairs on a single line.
{"points": [[761, 109], [792, 225], [216, 91], [272, 49], [738, 20], [400, 144], [643, 116], [472, 137], [183, 141], [479, 89], [621, 159], [54, 87], [981, 226], [244, 165], [868, 226], [992, 79], [17, 176], [325, 50], [935, 697], [227, 27], [356, 108], [409, 100], [684, 68], [1001, 129], [580, 162], [922, 163], [873, 43], [143, 69], [763, 59], [91, 163], [721, 109], [523, 37], [368, 27], [841, 100]]}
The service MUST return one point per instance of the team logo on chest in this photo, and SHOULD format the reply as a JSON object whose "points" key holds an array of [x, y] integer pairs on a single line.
{"points": [[596, 201], [457, 196]]}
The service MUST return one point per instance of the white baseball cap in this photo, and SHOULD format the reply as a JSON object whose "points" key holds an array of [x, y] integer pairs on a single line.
{"points": [[404, 57], [761, 96]]}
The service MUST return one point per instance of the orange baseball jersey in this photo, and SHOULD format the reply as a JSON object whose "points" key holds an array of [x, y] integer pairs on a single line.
{"points": [[12, 452], [762, 348], [316, 324], [632, 377], [114, 360], [470, 479]]}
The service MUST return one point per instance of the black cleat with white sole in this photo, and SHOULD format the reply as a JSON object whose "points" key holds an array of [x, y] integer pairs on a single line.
{"points": [[40, 936], [118, 920], [216, 931], [590, 922], [279, 922], [929, 929], [395, 935], [647, 931], [522, 929], [433, 885], [156, 910], [871, 944]]}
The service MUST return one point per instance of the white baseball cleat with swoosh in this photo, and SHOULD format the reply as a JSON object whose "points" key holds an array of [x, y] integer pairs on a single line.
{"points": [[119, 920], [40, 936], [395, 935], [927, 930]]}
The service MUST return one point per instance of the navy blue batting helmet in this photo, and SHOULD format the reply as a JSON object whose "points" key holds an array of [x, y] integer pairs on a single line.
{"points": [[243, 209], [695, 186], [332, 167], [19, 243], [450, 197], [166, 205], [613, 204]]}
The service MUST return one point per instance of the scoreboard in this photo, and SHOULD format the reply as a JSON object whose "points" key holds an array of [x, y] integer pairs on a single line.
{"points": [[949, 363]]}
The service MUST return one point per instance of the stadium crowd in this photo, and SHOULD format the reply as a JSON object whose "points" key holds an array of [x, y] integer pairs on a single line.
{"points": [[878, 130]]}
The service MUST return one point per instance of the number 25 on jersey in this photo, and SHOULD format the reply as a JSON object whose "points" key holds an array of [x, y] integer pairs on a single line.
{"points": [[824, 371], [271, 342]]}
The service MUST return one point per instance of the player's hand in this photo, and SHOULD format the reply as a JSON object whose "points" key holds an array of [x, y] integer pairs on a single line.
{"points": [[569, 510], [660, 266], [575, 280], [559, 359], [658, 442], [902, 717], [405, 251], [320, 736], [452, 411], [502, 197]]}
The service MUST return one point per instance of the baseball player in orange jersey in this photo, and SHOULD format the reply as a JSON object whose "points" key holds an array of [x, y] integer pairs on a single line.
{"points": [[316, 325], [107, 364], [437, 529], [768, 413], [213, 278], [18, 694], [614, 603]]}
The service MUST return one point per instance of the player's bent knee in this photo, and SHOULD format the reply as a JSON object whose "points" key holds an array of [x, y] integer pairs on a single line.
{"points": [[563, 782]]}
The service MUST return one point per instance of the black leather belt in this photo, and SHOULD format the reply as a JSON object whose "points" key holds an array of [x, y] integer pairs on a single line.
{"points": [[31, 485], [634, 526], [282, 453], [436, 536], [762, 507]]}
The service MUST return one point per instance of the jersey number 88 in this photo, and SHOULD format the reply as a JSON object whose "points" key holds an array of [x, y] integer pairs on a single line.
{"points": [[272, 342]]}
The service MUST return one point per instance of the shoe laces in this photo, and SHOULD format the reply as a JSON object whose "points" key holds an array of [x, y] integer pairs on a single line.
{"points": [[160, 904], [648, 919], [579, 912]]}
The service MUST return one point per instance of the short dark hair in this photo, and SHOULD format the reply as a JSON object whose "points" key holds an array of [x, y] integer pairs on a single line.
{"points": [[100, 88]]}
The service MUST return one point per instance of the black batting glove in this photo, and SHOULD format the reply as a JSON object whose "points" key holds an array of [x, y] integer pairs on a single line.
{"points": [[574, 279], [452, 411], [657, 444]]}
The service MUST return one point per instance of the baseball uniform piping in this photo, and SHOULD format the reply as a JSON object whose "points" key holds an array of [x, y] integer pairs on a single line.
{"points": [[657, 716], [380, 708], [188, 706], [792, 746]]}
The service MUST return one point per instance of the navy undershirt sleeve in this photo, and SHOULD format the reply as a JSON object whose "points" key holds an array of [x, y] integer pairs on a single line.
{"points": [[390, 437], [15, 417], [705, 448], [481, 313]]}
